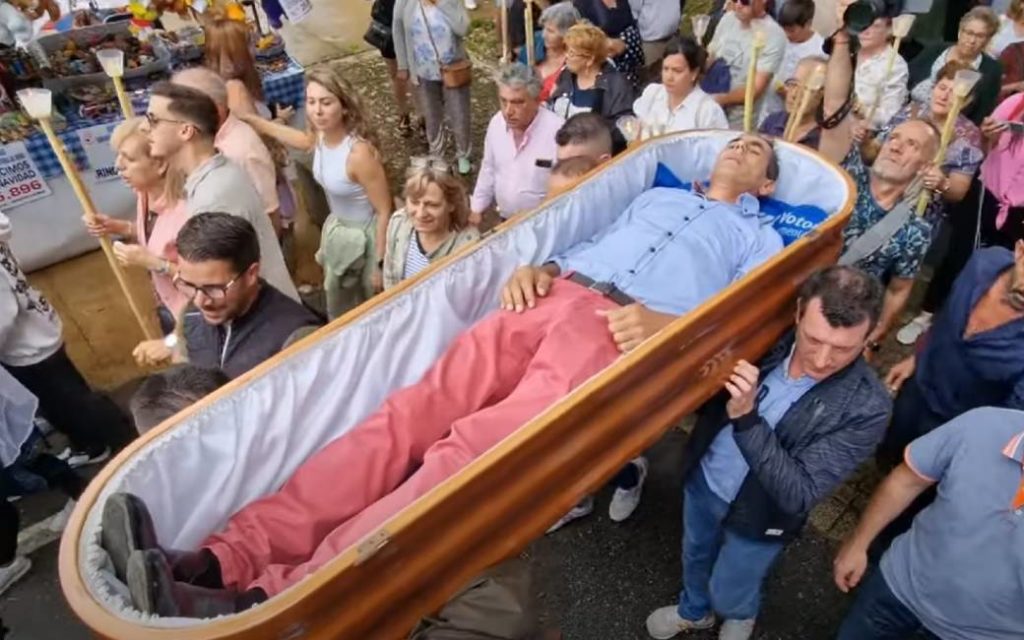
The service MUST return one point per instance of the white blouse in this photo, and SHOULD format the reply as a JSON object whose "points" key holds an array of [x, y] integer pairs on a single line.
{"points": [[869, 80], [697, 111]]}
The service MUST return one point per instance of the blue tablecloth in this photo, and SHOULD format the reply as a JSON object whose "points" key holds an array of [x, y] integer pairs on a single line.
{"points": [[284, 87]]}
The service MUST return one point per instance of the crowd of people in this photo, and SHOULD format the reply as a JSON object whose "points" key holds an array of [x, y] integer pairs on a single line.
{"points": [[935, 548]]}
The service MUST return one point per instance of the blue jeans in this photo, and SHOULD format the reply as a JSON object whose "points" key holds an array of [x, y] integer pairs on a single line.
{"points": [[877, 614], [722, 571]]}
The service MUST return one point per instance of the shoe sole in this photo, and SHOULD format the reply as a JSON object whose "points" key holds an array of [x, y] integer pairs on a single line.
{"points": [[18, 575], [138, 580], [116, 534]]}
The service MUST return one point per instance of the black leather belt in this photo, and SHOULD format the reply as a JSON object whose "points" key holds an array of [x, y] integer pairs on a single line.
{"points": [[606, 289]]}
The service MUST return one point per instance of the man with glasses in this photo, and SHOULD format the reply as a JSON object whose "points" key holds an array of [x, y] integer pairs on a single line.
{"points": [[976, 30], [181, 124], [237, 320]]}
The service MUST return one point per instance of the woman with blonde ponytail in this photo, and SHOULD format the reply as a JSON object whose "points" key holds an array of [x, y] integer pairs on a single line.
{"points": [[347, 164]]}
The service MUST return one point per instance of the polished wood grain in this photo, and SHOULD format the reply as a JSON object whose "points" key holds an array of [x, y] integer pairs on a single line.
{"points": [[509, 496]]}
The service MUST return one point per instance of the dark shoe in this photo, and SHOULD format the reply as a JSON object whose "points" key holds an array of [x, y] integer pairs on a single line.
{"points": [[405, 126], [126, 527], [154, 591]]}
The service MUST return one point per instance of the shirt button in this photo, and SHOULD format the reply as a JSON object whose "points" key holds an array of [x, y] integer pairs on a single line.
{"points": [[652, 249], [632, 272], [668, 233]]}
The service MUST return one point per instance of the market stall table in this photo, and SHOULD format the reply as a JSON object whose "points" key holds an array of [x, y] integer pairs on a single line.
{"points": [[39, 200]]}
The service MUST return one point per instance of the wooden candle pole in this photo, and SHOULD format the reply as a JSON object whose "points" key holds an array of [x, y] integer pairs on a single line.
{"points": [[807, 91], [528, 21], [748, 100], [900, 28], [503, 17], [90, 213], [962, 85], [112, 61], [122, 97], [795, 114]]}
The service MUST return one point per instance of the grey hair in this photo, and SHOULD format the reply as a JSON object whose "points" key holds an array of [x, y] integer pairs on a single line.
{"points": [[517, 75], [206, 81], [561, 16]]}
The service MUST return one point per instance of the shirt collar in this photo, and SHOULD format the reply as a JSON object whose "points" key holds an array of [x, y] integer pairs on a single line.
{"points": [[748, 205], [528, 134], [805, 379], [1015, 448]]}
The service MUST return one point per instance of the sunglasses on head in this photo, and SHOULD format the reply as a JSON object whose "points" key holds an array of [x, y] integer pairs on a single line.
{"points": [[430, 162]]}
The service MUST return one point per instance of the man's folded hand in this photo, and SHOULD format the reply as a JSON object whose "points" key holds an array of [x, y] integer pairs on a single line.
{"points": [[632, 324]]}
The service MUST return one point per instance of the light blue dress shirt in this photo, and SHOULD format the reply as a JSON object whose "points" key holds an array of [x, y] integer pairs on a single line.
{"points": [[723, 465], [673, 249]]}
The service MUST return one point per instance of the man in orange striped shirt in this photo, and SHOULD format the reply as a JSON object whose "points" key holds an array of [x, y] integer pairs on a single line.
{"points": [[957, 573]]}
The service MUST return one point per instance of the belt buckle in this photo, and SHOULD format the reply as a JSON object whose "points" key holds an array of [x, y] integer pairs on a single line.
{"points": [[604, 288]]}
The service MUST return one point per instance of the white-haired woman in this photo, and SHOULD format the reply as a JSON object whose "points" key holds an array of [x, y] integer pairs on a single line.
{"points": [[550, 49]]}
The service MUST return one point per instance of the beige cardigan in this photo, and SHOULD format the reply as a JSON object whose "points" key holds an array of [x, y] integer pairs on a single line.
{"points": [[401, 233]]}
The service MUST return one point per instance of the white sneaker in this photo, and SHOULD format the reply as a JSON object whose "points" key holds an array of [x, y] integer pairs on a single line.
{"points": [[581, 510], [77, 459], [914, 329], [665, 623], [737, 629], [625, 501], [470, 5], [11, 573], [60, 520]]}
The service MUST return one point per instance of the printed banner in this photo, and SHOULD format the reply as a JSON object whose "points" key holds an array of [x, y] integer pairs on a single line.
{"points": [[20, 180], [95, 142]]}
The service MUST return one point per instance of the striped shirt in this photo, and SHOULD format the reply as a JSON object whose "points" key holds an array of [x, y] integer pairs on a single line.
{"points": [[415, 259]]}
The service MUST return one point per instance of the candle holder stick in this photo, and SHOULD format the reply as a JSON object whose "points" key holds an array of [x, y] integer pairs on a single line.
{"points": [[748, 99], [963, 82], [38, 104]]}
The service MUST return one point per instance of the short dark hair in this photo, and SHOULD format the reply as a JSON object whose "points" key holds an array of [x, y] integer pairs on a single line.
{"points": [[585, 128], [848, 296], [796, 13], [164, 394], [574, 167], [219, 236], [191, 105], [772, 170], [696, 56]]}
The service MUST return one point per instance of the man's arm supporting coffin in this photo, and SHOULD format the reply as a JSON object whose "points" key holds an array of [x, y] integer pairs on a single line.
{"points": [[246, 440]]}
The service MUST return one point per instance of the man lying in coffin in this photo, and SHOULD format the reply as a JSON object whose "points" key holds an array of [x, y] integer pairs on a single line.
{"points": [[666, 254]]}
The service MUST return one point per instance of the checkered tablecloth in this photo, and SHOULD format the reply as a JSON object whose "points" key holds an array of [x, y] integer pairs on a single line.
{"points": [[284, 87]]}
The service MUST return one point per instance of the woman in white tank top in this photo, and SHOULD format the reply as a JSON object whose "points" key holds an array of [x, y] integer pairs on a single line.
{"points": [[348, 167]]}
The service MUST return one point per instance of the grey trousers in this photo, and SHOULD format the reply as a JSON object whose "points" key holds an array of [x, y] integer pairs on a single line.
{"points": [[440, 103]]}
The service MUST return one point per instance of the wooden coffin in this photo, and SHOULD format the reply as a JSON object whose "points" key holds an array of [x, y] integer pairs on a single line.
{"points": [[243, 441]]}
